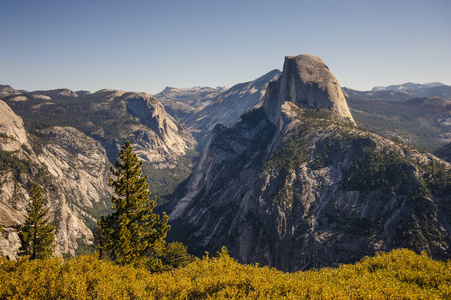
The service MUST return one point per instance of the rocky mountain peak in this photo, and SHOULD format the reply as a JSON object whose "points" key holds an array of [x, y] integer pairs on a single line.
{"points": [[305, 81], [148, 110], [6, 90], [12, 131]]}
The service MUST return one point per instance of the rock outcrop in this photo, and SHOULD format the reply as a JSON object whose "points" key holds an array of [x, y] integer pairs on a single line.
{"points": [[6, 90], [13, 134], [306, 81], [294, 184], [151, 113]]}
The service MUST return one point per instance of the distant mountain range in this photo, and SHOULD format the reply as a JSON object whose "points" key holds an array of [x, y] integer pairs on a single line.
{"points": [[402, 91], [418, 114], [200, 109], [408, 86]]}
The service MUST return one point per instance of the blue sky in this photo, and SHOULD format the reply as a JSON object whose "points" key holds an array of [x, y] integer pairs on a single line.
{"points": [[148, 45]]}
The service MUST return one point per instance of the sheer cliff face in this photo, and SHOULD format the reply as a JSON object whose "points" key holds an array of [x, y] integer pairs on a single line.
{"points": [[294, 185], [12, 129], [306, 81], [159, 139], [141, 119]]}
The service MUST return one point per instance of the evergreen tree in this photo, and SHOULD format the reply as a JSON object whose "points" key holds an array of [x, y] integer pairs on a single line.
{"points": [[37, 233], [133, 234], [175, 255]]}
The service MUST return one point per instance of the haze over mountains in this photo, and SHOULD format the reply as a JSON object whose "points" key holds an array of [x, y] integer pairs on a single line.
{"points": [[402, 91], [284, 177]]}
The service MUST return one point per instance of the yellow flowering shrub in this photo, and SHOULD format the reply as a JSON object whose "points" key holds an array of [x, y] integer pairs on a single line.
{"points": [[400, 274]]}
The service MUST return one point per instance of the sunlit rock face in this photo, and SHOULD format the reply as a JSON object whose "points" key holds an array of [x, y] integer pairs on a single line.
{"points": [[13, 134], [295, 184], [306, 81]]}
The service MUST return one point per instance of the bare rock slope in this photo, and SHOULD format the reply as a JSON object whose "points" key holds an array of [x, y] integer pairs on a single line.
{"points": [[306, 81], [225, 108], [13, 134], [295, 184]]}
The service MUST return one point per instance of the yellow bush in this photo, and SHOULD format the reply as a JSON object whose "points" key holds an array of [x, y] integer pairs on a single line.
{"points": [[400, 274]]}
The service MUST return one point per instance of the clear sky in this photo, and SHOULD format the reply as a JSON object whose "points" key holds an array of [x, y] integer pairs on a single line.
{"points": [[148, 45]]}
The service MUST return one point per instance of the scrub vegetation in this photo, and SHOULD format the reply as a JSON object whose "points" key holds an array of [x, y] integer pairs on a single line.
{"points": [[400, 274]]}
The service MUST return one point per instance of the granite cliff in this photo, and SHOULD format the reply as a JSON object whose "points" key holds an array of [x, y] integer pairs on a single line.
{"points": [[307, 82], [295, 184]]}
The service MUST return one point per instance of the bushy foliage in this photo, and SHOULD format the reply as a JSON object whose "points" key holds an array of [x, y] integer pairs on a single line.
{"points": [[400, 274], [175, 255]]}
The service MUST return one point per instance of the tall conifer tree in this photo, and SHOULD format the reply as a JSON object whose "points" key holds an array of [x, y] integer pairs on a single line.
{"points": [[133, 233], [37, 233]]}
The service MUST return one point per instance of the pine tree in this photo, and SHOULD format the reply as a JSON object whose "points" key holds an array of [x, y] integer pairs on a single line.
{"points": [[37, 233], [133, 234], [175, 255]]}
